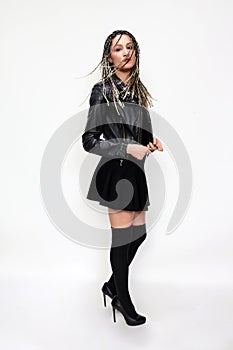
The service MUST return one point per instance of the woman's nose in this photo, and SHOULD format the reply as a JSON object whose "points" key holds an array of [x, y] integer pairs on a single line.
{"points": [[126, 52]]}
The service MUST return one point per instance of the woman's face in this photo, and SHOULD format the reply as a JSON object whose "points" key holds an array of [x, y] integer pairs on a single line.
{"points": [[122, 54]]}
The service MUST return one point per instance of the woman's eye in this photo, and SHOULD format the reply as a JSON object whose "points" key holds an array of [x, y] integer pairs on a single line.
{"points": [[129, 48]]}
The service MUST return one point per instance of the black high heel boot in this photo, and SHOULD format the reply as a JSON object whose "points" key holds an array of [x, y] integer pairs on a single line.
{"points": [[131, 321], [138, 236], [121, 238]]}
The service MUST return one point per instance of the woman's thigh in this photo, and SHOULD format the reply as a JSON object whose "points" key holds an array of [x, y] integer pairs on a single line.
{"points": [[139, 218], [125, 218]]}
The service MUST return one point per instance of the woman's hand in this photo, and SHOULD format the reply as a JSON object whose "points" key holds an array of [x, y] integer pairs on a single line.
{"points": [[156, 145], [138, 151]]}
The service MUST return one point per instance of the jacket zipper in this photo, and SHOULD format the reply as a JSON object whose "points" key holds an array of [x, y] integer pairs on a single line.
{"points": [[140, 132], [123, 137], [140, 126]]}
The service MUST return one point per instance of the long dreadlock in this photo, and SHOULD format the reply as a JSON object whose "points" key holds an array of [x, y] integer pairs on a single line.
{"points": [[108, 69]]}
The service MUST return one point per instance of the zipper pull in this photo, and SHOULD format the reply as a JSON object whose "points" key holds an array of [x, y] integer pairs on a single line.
{"points": [[121, 160]]}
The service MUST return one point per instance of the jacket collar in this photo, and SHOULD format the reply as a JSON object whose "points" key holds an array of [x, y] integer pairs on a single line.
{"points": [[122, 87], [120, 84]]}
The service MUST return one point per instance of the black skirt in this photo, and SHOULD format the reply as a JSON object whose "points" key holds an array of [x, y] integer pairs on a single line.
{"points": [[120, 184]]}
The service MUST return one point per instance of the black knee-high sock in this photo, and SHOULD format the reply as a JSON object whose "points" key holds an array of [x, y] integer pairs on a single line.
{"points": [[138, 236], [120, 267]]}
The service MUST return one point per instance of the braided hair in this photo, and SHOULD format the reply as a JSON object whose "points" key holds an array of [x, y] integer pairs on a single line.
{"points": [[108, 69]]}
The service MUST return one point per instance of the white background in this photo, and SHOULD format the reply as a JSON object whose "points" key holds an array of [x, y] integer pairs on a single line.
{"points": [[50, 286]]}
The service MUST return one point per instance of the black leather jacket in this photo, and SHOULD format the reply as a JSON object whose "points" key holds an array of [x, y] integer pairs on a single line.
{"points": [[133, 125]]}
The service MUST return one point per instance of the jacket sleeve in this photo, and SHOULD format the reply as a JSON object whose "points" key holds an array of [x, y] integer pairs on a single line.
{"points": [[94, 128], [147, 130]]}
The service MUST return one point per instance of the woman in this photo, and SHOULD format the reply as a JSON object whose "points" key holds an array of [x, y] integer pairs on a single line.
{"points": [[118, 109]]}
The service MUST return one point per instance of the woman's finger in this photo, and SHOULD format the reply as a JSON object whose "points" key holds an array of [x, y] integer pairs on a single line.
{"points": [[158, 144], [152, 146]]}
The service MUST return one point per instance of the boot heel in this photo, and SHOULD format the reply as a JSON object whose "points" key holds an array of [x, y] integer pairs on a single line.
{"points": [[114, 314], [107, 291], [104, 299]]}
